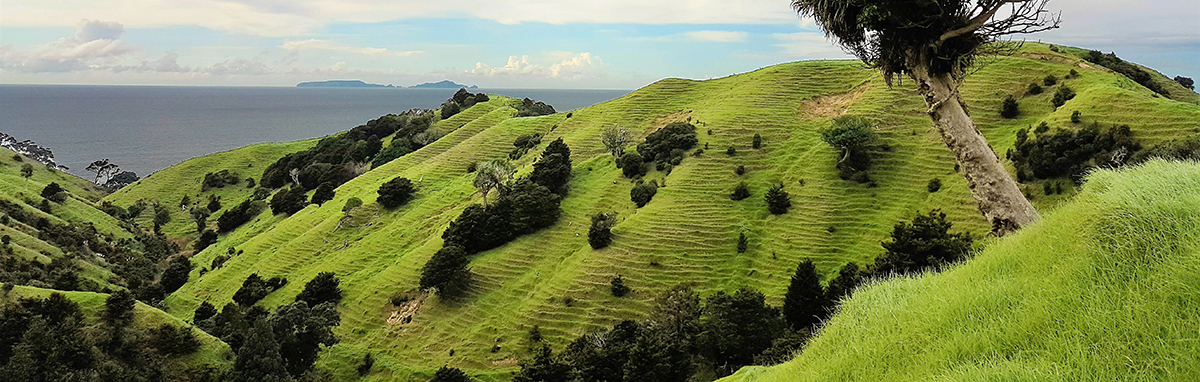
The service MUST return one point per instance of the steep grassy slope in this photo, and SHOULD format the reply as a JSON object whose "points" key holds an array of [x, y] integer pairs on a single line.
{"points": [[212, 351], [687, 234], [1107, 287]]}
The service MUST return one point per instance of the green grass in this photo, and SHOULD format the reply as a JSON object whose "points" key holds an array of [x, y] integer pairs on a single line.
{"points": [[687, 234], [1106, 287], [212, 351]]}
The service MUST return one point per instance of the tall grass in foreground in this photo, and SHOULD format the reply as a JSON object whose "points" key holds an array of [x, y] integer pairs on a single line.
{"points": [[1107, 287]]}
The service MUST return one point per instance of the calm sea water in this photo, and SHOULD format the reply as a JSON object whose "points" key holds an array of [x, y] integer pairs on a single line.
{"points": [[148, 128]]}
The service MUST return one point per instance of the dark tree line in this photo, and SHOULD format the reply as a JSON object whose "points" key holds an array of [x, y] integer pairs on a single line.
{"points": [[1127, 69], [1070, 154]]}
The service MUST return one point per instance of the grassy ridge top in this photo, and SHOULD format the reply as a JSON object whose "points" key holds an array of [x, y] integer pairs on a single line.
{"points": [[687, 234], [1104, 288]]}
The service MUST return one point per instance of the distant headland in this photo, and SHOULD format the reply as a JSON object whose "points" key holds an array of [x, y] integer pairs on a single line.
{"points": [[444, 84]]}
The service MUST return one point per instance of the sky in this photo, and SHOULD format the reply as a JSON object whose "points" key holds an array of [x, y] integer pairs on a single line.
{"points": [[610, 44]]}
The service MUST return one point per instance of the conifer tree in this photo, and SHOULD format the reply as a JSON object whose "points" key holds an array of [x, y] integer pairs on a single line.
{"points": [[805, 304]]}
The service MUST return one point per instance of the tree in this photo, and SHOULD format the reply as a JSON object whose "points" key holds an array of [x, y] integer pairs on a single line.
{"points": [[447, 271], [259, 358], [54, 192], [289, 201], [103, 169], [491, 175], [173, 341], [736, 327], [553, 169], [935, 43], [321, 289], [742, 243], [740, 192], [926, 242], [364, 368], [543, 368], [530, 206], [855, 137], [614, 139], [848, 278], [600, 234], [301, 332], [176, 274], [805, 303], [204, 312], [118, 308], [1009, 109], [1186, 82], [26, 170], [618, 288], [632, 165], [450, 374], [207, 238], [324, 193], [757, 142], [778, 200], [214, 203], [162, 216], [643, 192]]}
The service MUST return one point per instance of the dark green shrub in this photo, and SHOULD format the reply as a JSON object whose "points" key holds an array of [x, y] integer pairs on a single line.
{"points": [[1076, 117], [204, 312], [289, 201], [757, 142], [1070, 154], [1009, 109], [531, 108], [449, 109], [214, 203], [1127, 69], [54, 193], [736, 327], [219, 179], [368, 362], [1073, 74], [848, 278], [742, 243], [118, 308], [395, 192], [447, 272], [740, 192], [731, 151], [321, 289], [531, 206], [1050, 80], [238, 215], [398, 148], [778, 200], [600, 234], [740, 170], [173, 341], [1034, 89], [643, 192], [658, 145], [324, 193], [1063, 95], [1048, 188], [855, 137], [523, 144], [254, 288], [618, 287], [632, 165], [209, 237], [176, 274], [553, 168], [935, 184], [924, 243], [450, 374], [1186, 82]]}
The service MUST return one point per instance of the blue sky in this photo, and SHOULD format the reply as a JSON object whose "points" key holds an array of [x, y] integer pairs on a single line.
{"points": [[616, 44]]}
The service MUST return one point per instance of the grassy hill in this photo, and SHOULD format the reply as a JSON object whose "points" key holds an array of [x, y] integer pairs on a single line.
{"points": [[687, 234], [1104, 288]]}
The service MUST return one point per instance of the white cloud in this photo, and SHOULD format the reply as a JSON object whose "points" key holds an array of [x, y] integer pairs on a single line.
{"points": [[315, 44], [808, 45], [574, 66], [95, 44], [716, 36], [237, 66]]}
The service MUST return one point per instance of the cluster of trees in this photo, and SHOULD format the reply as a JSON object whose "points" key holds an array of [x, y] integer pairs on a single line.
{"points": [[1064, 153], [240, 214], [685, 334], [462, 100], [282, 345], [219, 179], [643, 192], [666, 146], [1127, 69], [1186, 82], [855, 137], [46, 339], [395, 193], [523, 144], [531, 108], [109, 174], [524, 206], [255, 288], [55, 193]]}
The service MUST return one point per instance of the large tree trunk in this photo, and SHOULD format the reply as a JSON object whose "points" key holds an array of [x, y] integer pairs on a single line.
{"points": [[999, 198]]}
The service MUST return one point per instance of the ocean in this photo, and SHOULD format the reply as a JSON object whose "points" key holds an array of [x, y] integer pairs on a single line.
{"points": [[148, 128]]}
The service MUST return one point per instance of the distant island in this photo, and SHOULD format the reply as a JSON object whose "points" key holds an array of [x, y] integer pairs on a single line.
{"points": [[444, 84]]}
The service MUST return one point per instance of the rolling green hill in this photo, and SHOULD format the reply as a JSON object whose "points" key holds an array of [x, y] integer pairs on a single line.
{"points": [[1106, 287], [687, 234]]}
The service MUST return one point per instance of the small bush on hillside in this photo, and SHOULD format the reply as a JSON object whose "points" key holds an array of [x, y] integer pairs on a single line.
{"points": [[740, 170], [632, 165], [757, 143], [531, 108], [1009, 109], [1048, 188], [395, 192], [54, 192], [1063, 95], [783, 348], [219, 179], [1073, 74], [926, 242], [523, 207], [1050, 80], [173, 341], [848, 278], [935, 184], [238, 215], [321, 289], [737, 327], [204, 311], [660, 145], [398, 148], [856, 138], [176, 274], [450, 374], [447, 272], [367, 363], [1041, 128], [206, 239], [1181, 150], [778, 200], [1186, 82], [742, 242], [351, 204], [600, 234], [254, 288], [731, 151], [523, 144], [289, 201], [1076, 117], [643, 192], [1034, 89], [740, 192], [618, 288], [214, 203], [324, 193]]}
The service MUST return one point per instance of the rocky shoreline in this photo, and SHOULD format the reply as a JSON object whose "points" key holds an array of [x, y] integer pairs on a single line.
{"points": [[30, 149]]}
